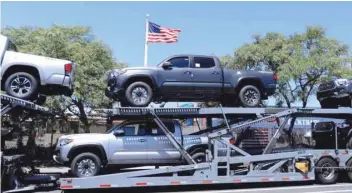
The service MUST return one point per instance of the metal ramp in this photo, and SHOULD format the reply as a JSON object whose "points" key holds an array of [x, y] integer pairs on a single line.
{"points": [[9, 103], [225, 163]]}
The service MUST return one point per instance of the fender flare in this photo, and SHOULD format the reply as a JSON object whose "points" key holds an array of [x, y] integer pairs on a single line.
{"points": [[99, 146]]}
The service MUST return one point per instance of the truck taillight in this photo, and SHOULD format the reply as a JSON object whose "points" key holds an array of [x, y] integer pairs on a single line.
{"points": [[232, 141], [275, 76], [68, 69]]}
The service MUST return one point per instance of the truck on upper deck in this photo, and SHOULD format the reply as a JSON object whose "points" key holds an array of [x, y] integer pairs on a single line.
{"points": [[190, 78], [26, 76]]}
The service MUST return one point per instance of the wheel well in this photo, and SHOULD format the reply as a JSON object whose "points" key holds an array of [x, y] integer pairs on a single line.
{"points": [[330, 157], [197, 148], [139, 79], [20, 68], [87, 149], [249, 81]]}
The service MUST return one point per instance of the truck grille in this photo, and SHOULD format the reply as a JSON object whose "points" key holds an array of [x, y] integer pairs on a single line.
{"points": [[326, 86]]}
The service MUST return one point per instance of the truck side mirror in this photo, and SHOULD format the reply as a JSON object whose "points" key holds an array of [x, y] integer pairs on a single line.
{"points": [[167, 65], [119, 132]]}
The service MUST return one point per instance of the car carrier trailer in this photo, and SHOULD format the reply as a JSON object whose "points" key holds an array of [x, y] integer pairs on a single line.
{"points": [[225, 163]]}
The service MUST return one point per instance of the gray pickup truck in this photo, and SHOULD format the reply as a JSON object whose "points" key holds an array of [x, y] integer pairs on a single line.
{"points": [[26, 76], [190, 78], [130, 143]]}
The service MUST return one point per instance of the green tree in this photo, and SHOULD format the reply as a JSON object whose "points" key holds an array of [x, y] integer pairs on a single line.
{"points": [[301, 60], [76, 43]]}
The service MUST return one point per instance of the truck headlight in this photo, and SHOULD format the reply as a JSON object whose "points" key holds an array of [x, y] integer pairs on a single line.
{"points": [[65, 141]]}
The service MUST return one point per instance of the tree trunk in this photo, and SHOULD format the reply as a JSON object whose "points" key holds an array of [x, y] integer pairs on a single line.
{"points": [[83, 116]]}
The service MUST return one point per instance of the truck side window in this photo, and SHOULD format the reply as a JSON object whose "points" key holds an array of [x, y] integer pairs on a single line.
{"points": [[138, 129], [130, 130], [203, 62], [155, 130], [179, 62]]}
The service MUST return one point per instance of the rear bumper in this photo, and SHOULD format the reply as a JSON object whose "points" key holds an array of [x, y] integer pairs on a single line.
{"points": [[58, 84], [270, 90]]}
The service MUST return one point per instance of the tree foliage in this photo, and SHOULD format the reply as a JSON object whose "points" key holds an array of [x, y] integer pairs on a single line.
{"points": [[76, 43], [301, 60]]}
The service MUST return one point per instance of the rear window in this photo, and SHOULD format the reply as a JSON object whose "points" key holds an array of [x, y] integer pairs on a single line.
{"points": [[203, 62]]}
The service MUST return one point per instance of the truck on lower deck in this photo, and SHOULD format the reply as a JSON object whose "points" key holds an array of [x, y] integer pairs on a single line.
{"points": [[130, 143]]}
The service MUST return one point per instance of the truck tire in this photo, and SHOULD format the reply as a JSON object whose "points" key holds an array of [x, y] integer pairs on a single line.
{"points": [[349, 170], [326, 175], [139, 94], [199, 157], [250, 96], [349, 143], [85, 165], [21, 85]]}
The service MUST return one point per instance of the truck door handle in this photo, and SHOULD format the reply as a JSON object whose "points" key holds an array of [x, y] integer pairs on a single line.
{"points": [[141, 140], [188, 72], [215, 73]]}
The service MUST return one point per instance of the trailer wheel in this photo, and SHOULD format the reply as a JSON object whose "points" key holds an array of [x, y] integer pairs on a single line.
{"points": [[85, 165], [349, 170], [325, 174]]}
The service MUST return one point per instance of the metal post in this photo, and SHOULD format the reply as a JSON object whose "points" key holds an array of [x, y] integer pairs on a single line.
{"points": [[171, 137], [146, 41], [272, 142]]}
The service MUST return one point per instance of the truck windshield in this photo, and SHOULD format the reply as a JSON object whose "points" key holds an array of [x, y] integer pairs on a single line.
{"points": [[11, 47]]}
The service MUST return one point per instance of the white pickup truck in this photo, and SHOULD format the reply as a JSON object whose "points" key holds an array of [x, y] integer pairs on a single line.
{"points": [[27, 76]]}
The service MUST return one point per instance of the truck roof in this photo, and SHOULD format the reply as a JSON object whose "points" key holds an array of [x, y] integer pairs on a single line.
{"points": [[193, 55]]}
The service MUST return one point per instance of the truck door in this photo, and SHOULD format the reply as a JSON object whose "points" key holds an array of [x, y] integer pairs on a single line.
{"points": [[160, 148], [176, 79], [206, 76], [130, 148]]}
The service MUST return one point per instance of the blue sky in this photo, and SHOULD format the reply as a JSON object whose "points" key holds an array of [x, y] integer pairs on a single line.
{"points": [[207, 27]]}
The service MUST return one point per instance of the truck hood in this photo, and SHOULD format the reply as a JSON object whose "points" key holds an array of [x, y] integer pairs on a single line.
{"points": [[140, 68], [33, 59], [85, 136]]}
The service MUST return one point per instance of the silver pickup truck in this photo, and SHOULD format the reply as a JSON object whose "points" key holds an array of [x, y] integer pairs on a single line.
{"points": [[130, 143], [26, 76]]}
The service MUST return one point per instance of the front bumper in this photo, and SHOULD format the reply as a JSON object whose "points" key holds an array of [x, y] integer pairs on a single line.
{"points": [[58, 160], [335, 93], [114, 93]]}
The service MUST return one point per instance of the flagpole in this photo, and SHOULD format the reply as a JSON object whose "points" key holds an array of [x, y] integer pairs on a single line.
{"points": [[146, 42]]}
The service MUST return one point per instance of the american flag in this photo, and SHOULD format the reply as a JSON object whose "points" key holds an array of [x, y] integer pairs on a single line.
{"points": [[158, 34]]}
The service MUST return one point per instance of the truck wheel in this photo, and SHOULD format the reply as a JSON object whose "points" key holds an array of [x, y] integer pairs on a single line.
{"points": [[85, 165], [21, 85], [349, 170], [139, 94], [199, 157], [250, 96], [324, 174]]}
